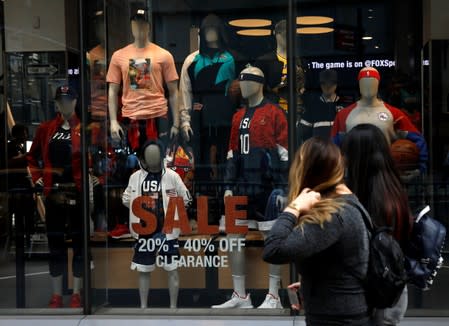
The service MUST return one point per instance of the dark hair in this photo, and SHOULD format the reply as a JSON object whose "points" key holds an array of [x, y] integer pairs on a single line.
{"points": [[373, 177]]}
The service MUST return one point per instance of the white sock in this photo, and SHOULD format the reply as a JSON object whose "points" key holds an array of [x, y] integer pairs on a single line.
{"points": [[239, 285]]}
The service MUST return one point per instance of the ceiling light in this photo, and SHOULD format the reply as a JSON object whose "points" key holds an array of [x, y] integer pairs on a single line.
{"points": [[376, 46], [367, 38], [250, 22], [255, 32], [314, 30], [370, 17], [313, 20]]}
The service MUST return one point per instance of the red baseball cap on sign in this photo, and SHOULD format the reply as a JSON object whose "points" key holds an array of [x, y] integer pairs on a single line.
{"points": [[65, 92]]}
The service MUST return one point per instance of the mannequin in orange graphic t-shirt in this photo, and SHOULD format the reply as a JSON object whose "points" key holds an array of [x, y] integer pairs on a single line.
{"points": [[143, 69]]}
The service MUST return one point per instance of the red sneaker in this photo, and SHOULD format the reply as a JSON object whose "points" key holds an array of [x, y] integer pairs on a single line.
{"points": [[121, 231], [75, 301], [55, 301]]}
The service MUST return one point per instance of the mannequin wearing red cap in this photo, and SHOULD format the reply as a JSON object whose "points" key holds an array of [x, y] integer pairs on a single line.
{"points": [[143, 68], [57, 145], [258, 135], [371, 109]]}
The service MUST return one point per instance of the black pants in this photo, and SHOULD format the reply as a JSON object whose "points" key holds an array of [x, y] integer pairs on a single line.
{"points": [[64, 220]]}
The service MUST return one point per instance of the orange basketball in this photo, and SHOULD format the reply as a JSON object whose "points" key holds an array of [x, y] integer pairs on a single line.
{"points": [[405, 154]]}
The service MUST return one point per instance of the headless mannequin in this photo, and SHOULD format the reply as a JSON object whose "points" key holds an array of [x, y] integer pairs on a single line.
{"points": [[67, 109], [211, 37], [141, 31], [152, 163], [206, 109], [253, 92], [370, 109]]}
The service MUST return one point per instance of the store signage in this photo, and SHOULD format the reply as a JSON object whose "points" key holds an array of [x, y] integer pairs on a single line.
{"points": [[176, 205], [41, 70], [377, 63]]}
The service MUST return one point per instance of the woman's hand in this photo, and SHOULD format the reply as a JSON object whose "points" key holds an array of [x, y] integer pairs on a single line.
{"points": [[304, 202], [293, 289]]}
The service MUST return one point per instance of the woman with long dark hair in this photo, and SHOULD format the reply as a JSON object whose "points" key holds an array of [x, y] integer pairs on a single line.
{"points": [[373, 177], [323, 232]]}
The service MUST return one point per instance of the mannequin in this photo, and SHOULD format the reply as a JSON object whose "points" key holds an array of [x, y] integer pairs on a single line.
{"points": [[158, 183], [57, 144], [258, 131], [143, 68], [371, 109], [274, 66], [320, 111], [206, 109]]}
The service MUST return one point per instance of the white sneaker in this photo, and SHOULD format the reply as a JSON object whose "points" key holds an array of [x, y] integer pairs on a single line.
{"points": [[236, 301], [271, 302]]}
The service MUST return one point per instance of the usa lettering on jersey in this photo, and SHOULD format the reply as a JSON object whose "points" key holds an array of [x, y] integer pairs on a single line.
{"points": [[151, 186]]}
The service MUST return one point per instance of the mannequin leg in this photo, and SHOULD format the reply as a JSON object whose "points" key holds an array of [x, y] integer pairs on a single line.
{"points": [[144, 288], [237, 264], [272, 299], [56, 284], [173, 287], [239, 299], [274, 279], [77, 284]]}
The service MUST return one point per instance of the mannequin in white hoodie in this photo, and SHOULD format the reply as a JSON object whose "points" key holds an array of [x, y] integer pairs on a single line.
{"points": [[153, 185]]}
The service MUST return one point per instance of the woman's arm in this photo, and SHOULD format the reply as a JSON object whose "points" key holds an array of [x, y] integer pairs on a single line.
{"points": [[286, 243]]}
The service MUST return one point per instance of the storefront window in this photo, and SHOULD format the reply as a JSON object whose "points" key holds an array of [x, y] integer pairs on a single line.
{"points": [[146, 144]]}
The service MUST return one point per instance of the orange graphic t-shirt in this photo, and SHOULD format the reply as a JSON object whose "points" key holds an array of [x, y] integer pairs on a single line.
{"points": [[143, 72]]}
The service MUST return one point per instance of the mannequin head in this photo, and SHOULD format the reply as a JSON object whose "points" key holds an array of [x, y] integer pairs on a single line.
{"points": [[152, 156], [65, 100], [99, 27], [140, 25], [251, 83], [369, 79], [328, 82], [280, 32], [212, 34]]}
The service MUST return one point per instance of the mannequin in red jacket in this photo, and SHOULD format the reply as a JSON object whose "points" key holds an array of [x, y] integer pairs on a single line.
{"points": [[57, 145]]}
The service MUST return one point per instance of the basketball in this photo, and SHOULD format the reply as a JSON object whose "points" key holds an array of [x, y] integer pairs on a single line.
{"points": [[234, 92], [405, 154]]}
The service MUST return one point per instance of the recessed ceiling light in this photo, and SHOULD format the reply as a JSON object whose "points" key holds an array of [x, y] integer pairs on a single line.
{"points": [[367, 38], [255, 32], [313, 20], [314, 30], [370, 17], [376, 46], [250, 22]]}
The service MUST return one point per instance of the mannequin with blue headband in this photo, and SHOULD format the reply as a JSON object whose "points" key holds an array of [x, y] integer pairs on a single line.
{"points": [[257, 153]]}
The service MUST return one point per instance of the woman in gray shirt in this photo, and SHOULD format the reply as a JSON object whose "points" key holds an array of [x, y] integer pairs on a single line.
{"points": [[322, 231]]}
